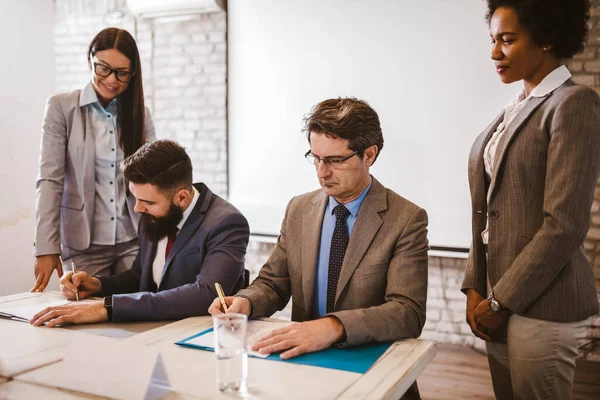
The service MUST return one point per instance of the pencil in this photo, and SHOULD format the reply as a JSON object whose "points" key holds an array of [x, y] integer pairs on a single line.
{"points": [[221, 295], [73, 270]]}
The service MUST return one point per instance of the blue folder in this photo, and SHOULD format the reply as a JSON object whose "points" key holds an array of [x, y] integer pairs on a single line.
{"points": [[354, 359]]}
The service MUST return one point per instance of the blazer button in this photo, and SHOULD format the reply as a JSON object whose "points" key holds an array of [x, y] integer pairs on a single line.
{"points": [[494, 214]]}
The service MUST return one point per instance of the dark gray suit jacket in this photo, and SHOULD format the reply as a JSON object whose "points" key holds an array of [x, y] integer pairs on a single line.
{"points": [[210, 248], [546, 168]]}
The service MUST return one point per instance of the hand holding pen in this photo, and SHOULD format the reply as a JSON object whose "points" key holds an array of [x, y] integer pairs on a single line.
{"points": [[79, 285], [229, 304]]}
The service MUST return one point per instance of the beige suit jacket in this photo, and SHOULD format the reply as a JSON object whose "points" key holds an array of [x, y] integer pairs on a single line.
{"points": [[382, 288], [546, 168]]}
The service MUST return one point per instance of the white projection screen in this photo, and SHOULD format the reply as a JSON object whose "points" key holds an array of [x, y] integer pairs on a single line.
{"points": [[423, 65]]}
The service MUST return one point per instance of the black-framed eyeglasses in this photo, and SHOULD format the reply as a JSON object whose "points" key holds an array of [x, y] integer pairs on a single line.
{"points": [[104, 71], [328, 161]]}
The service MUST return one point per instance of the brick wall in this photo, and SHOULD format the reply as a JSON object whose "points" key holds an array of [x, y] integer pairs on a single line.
{"points": [[183, 67]]}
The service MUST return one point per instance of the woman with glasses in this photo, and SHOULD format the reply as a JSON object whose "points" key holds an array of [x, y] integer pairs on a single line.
{"points": [[532, 173], [84, 210]]}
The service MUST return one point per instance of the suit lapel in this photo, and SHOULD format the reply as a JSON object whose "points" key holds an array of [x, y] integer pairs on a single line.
{"points": [[511, 131], [88, 170], [190, 227], [366, 227], [476, 165], [311, 239]]}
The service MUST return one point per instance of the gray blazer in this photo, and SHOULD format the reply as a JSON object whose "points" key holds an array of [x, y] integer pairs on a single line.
{"points": [[66, 183], [546, 168], [210, 248], [382, 288]]}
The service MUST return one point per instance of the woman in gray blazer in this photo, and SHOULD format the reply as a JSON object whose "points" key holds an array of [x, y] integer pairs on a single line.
{"points": [[84, 211], [532, 174]]}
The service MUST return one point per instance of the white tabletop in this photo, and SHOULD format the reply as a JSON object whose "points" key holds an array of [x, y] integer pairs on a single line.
{"points": [[191, 372], [16, 390], [24, 347]]}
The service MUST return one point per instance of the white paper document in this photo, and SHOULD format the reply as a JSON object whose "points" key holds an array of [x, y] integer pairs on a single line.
{"points": [[25, 313], [257, 329]]}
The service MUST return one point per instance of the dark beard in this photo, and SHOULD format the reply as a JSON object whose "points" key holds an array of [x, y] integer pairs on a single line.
{"points": [[156, 228]]}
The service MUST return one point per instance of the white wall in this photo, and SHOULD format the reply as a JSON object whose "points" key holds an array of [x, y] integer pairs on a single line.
{"points": [[26, 80], [424, 66]]}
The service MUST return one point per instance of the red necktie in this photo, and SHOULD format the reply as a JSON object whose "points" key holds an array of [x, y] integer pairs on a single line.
{"points": [[170, 241]]}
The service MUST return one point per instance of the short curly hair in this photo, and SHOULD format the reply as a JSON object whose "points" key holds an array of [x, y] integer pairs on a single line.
{"points": [[560, 23]]}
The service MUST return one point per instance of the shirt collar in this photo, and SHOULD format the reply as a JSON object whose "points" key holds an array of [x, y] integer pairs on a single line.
{"points": [[188, 210], [551, 82], [354, 205], [88, 96]]}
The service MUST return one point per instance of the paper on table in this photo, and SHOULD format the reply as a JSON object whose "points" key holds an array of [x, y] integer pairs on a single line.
{"points": [[25, 313], [21, 296], [257, 329]]}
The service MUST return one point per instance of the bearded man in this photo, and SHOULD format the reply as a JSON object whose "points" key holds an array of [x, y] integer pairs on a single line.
{"points": [[189, 240]]}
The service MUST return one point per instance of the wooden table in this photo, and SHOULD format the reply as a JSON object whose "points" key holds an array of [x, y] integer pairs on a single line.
{"points": [[192, 372]]}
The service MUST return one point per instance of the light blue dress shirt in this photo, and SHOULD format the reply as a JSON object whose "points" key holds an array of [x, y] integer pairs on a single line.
{"points": [[112, 223], [320, 305]]}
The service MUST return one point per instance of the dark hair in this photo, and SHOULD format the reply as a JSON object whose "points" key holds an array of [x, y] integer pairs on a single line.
{"points": [[162, 163], [346, 118], [131, 112], [559, 23]]}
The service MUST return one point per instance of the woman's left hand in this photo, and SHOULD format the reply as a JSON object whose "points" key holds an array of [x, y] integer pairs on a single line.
{"points": [[486, 320]]}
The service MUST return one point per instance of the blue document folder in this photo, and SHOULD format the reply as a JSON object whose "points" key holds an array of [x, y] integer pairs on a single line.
{"points": [[354, 359]]}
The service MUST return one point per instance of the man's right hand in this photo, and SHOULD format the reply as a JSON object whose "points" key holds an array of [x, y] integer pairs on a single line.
{"points": [[44, 265], [234, 305], [80, 282], [473, 300]]}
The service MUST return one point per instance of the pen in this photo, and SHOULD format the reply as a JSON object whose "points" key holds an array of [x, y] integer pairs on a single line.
{"points": [[221, 295], [73, 270]]}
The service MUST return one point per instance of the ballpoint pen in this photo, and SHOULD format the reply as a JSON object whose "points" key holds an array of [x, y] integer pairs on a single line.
{"points": [[221, 295], [73, 270]]}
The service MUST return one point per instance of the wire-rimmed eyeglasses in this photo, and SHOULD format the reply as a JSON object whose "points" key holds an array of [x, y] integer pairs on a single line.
{"points": [[328, 161]]}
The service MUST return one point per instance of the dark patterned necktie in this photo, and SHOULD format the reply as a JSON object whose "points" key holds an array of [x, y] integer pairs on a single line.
{"points": [[339, 243]]}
